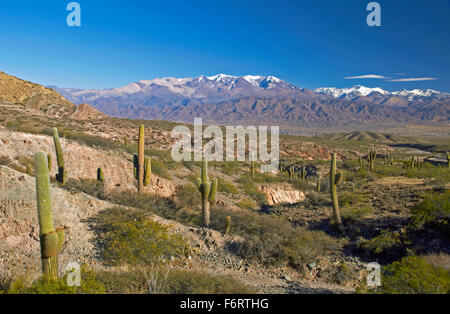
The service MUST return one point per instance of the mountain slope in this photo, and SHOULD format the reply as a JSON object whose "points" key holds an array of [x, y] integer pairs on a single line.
{"points": [[256, 99], [17, 92]]}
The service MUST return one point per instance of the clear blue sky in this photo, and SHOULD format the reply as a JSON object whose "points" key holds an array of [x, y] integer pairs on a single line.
{"points": [[310, 43]]}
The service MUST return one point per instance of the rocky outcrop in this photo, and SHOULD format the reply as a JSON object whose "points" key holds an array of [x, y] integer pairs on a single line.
{"points": [[86, 112], [82, 161], [282, 194]]}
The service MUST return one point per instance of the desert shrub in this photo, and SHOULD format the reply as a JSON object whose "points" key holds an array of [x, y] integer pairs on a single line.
{"points": [[247, 203], [160, 206], [350, 198], [387, 243], [226, 186], [231, 167], [271, 239], [355, 212], [343, 274], [248, 188], [151, 280], [413, 275], [88, 186], [433, 210], [89, 285], [159, 168], [128, 237], [302, 185], [196, 282], [307, 246]]}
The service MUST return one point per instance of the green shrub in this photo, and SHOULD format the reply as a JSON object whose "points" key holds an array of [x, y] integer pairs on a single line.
{"points": [[89, 285], [413, 275], [159, 168], [356, 212], [248, 188], [226, 186], [191, 282], [307, 246], [433, 210], [387, 243], [247, 203], [130, 238]]}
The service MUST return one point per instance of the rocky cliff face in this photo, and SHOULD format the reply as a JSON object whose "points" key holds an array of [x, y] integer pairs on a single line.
{"points": [[282, 194]]}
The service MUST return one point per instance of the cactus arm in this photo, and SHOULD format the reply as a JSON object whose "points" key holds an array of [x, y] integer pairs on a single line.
{"points": [[212, 192], [147, 170], [62, 173]]}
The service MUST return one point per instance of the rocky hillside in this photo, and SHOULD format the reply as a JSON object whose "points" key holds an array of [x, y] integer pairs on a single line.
{"points": [[14, 91]]}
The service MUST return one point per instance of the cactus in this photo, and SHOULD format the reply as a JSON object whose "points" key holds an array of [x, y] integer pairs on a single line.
{"points": [[49, 161], [61, 176], [303, 173], [208, 191], [413, 162], [139, 160], [51, 239], [147, 170], [448, 159], [372, 156], [228, 225], [252, 168], [335, 180], [28, 169], [319, 182], [291, 171], [125, 141], [100, 175]]}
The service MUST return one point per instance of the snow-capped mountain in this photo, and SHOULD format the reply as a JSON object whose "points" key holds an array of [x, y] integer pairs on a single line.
{"points": [[225, 98], [354, 91], [359, 90], [220, 86]]}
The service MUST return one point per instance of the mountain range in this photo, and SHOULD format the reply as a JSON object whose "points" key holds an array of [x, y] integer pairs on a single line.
{"points": [[262, 99]]}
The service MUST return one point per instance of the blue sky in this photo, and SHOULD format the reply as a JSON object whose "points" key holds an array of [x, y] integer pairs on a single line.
{"points": [[311, 43]]}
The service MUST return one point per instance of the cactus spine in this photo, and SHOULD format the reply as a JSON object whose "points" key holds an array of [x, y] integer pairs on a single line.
{"points": [[372, 157], [100, 175], [61, 176], [335, 180], [208, 191], [51, 239]]}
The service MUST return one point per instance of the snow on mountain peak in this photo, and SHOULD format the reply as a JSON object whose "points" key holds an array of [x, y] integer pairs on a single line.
{"points": [[357, 90]]}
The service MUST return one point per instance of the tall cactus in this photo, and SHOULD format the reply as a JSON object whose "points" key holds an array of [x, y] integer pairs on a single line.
{"points": [[448, 159], [61, 176], [100, 175], [335, 180], [303, 173], [372, 156], [252, 168], [319, 182], [51, 239], [208, 191], [228, 225], [141, 158]]}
